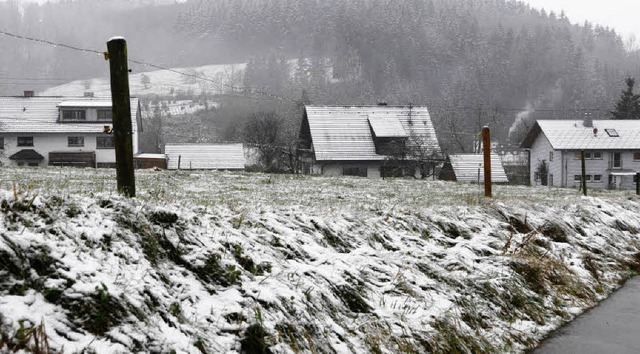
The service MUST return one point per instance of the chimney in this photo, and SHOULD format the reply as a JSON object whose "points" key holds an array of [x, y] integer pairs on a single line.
{"points": [[29, 94], [88, 94], [588, 120]]}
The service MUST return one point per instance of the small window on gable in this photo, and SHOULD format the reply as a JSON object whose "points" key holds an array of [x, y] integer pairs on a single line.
{"points": [[550, 155], [104, 115], [612, 133], [74, 115]]}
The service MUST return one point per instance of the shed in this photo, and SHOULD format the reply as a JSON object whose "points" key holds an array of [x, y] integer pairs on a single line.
{"points": [[470, 168], [205, 156], [150, 161]]}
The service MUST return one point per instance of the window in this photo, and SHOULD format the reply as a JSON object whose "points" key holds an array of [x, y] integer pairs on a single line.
{"points": [[355, 171], [106, 165], [588, 155], [74, 114], [550, 155], [104, 142], [636, 156], [617, 160], [597, 156], [1, 142], [577, 178], [25, 141], [105, 115], [75, 141], [612, 133], [597, 178]]}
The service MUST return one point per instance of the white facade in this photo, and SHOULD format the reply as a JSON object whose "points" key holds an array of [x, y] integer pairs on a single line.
{"points": [[46, 143]]}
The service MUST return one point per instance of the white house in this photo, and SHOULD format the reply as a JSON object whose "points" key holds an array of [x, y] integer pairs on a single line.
{"points": [[611, 147], [367, 141], [470, 168], [43, 131], [205, 156]]}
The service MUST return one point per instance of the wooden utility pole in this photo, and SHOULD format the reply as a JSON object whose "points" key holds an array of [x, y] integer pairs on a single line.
{"points": [[584, 173], [486, 147], [121, 103], [638, 183]]}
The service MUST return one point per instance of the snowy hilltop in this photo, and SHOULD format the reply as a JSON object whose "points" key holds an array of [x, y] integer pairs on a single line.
{"points": [[213, 262]]}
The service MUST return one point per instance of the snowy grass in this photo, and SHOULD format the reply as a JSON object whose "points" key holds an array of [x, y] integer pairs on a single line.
{"points": [[224, 262]]}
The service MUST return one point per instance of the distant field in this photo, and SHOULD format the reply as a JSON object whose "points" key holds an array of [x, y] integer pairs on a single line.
{"points": [[161, 82], [349, 193]]}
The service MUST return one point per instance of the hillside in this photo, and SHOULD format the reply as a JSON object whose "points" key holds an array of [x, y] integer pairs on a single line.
{"points": [[220, 262], [221, 79]]}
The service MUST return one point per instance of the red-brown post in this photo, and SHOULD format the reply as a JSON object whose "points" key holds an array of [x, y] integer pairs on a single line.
{"points": [[121, 106], [486, 147]]}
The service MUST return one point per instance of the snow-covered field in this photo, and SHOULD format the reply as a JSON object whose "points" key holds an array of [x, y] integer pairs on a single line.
{"points": [[223, 262], [220, 79]]}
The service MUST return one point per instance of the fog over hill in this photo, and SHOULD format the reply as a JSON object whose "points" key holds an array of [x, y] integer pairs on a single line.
{"points": [[471, 62]]}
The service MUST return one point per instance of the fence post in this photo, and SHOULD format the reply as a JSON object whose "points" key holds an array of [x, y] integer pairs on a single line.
{"points": [[486, 146], [638, 183], [121, 107], [584, 174]]}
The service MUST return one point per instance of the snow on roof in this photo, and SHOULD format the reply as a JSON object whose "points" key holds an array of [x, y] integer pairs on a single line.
{"points": [[466, 168], [573, 135], [344, 133], [205, 157], [387, 127], [39, 115], [151, 156], [86, 103]]}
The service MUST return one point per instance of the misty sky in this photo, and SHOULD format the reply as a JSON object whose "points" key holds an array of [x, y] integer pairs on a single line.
{"points": [[619, 14]]}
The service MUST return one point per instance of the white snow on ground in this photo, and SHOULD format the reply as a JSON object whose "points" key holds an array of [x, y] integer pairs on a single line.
{"points": [[218, 79], [203, 260]]}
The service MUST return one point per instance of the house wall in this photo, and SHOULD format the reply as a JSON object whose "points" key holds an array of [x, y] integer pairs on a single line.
{"points": [[601, 167], [540, 150], [337, 168], [44, 144]]}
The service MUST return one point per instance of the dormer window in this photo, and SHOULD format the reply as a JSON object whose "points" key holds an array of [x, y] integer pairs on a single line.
{"points": [[74, 115], [105, 115], [612, 133]]}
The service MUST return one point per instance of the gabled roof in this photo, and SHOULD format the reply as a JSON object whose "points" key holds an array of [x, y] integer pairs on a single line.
{"points": [[27, 154], [39, 114], [205, 157], [341, 133], [573, 135], [466, 168]]}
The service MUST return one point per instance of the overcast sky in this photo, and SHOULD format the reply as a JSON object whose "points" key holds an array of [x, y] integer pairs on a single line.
{"points": [[620, 14]]}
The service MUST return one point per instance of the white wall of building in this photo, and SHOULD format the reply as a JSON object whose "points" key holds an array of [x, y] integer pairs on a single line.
{"points": [[46, 143]]}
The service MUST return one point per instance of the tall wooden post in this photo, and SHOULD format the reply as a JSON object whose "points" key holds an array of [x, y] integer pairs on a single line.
{"points": [[584, 173], [486, 147], [121, 103], [638, 183]]}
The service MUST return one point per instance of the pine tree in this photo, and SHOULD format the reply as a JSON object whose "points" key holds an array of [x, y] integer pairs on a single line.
{"points": [[628, 106]]}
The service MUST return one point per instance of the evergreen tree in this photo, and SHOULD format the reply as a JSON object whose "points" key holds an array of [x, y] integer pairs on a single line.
{"points": [[628, 106]]}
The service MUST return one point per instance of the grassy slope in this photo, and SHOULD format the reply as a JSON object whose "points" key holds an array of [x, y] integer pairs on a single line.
{"points": [[220, 262]]}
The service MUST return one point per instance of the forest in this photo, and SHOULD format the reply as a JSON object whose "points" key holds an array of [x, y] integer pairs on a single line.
{"points": [[472, 62]]}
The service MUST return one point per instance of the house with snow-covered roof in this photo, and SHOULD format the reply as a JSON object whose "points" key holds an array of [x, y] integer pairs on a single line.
{"points": [[470, 168], [54, 131], [611, 147], [367, 141], [205, 156]]}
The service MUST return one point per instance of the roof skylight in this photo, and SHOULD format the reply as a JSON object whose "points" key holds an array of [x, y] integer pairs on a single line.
{"points": [[612, 133]]}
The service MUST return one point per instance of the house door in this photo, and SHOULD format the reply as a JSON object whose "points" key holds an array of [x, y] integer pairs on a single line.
{"points": [[617, 160]]}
